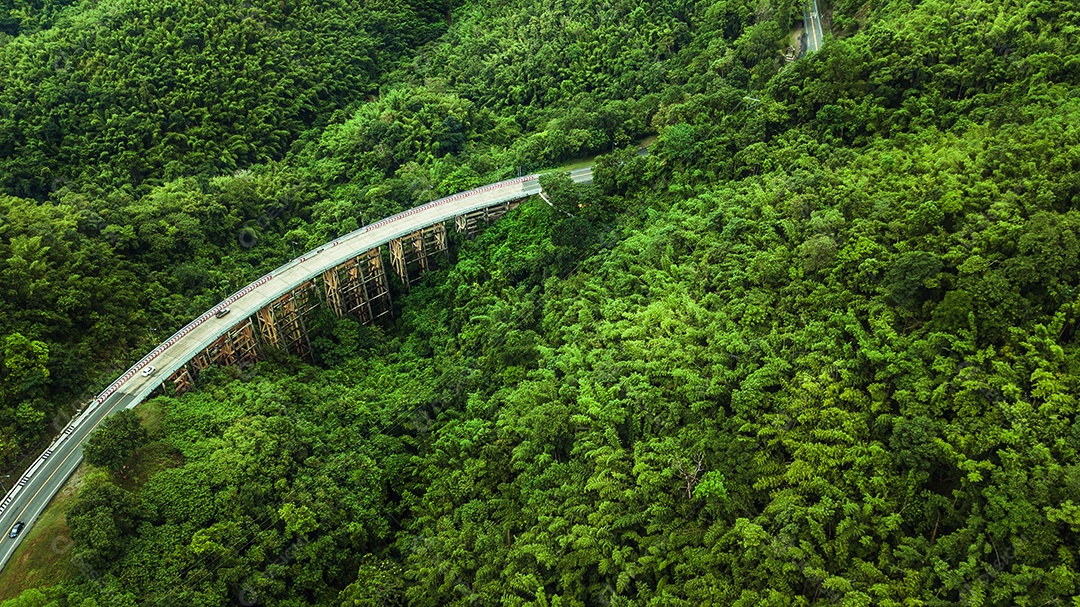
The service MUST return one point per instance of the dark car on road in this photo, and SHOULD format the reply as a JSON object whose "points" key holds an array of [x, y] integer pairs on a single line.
{"points": [[16, 529]]}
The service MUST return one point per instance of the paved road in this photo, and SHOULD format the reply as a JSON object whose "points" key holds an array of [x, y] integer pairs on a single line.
{"points": [[581, 175], [46, 478], [54, 472], [813, 32]]}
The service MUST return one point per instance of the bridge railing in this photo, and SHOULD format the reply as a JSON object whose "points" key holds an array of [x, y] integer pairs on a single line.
{"points": [[191, 326], [109, 391], [228, 301]]}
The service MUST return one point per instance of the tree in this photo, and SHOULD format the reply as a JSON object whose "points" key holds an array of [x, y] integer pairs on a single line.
{"points": [[101, 518], [118, 438], [25, 368], [379, 583]]}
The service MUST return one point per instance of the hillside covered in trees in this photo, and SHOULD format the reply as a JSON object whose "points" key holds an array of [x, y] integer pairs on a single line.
{"points": [[818, 347], [127, 132]]}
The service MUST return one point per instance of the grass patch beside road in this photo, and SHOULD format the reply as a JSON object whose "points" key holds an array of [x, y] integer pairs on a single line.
{"points": [[44, 557], [151, 414], [577, 164]]}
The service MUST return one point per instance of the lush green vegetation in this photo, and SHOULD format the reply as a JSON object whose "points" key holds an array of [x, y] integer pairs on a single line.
{"points": [[819, 346], [116, 124], [24, 17]]}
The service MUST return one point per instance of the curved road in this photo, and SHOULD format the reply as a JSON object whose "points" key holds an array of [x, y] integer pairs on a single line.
{"points": [[33, 491], [813, 33]]}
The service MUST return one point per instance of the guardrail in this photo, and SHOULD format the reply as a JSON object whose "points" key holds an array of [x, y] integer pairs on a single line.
{"points": [[191, 326], [251, 287]]}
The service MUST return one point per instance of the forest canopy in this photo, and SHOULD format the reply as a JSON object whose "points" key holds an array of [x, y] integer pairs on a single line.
{"points": [[138, 166]]}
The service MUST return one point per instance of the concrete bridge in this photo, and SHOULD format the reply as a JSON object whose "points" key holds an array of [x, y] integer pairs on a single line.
{"points": [[347, 274]]}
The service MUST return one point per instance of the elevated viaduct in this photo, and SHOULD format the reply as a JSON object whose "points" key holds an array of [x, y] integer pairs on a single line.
{"points": [[349, 275]]}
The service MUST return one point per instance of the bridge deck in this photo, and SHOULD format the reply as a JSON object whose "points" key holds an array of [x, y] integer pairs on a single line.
{"points": [[37, 487]]}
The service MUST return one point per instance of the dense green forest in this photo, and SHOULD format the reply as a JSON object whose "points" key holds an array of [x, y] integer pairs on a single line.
{"points": [[139, 175], [819, 346]]}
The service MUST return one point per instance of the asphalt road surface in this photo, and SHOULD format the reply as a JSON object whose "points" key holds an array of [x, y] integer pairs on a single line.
{"points": [[47, 477], [50, 478], [54, 467], [813, 32], [581, 175]]}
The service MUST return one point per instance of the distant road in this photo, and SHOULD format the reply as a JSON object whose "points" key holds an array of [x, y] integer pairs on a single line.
{"points": [[581, 175], [812, 19], [52, 469]]}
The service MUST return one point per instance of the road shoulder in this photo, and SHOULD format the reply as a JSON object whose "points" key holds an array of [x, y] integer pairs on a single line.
{"points": [[44, 556]]}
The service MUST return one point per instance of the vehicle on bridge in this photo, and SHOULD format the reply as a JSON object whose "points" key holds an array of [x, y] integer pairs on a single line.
{"points": [[412, 237]]}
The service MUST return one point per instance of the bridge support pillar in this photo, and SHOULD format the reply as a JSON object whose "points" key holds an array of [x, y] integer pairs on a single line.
{"points": [[182, 380], [268, 327], [282, 323], [416, 251], [200, 362], [397, 260], [472, 223], [359, 287], [333, 292], [237, 346]]}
